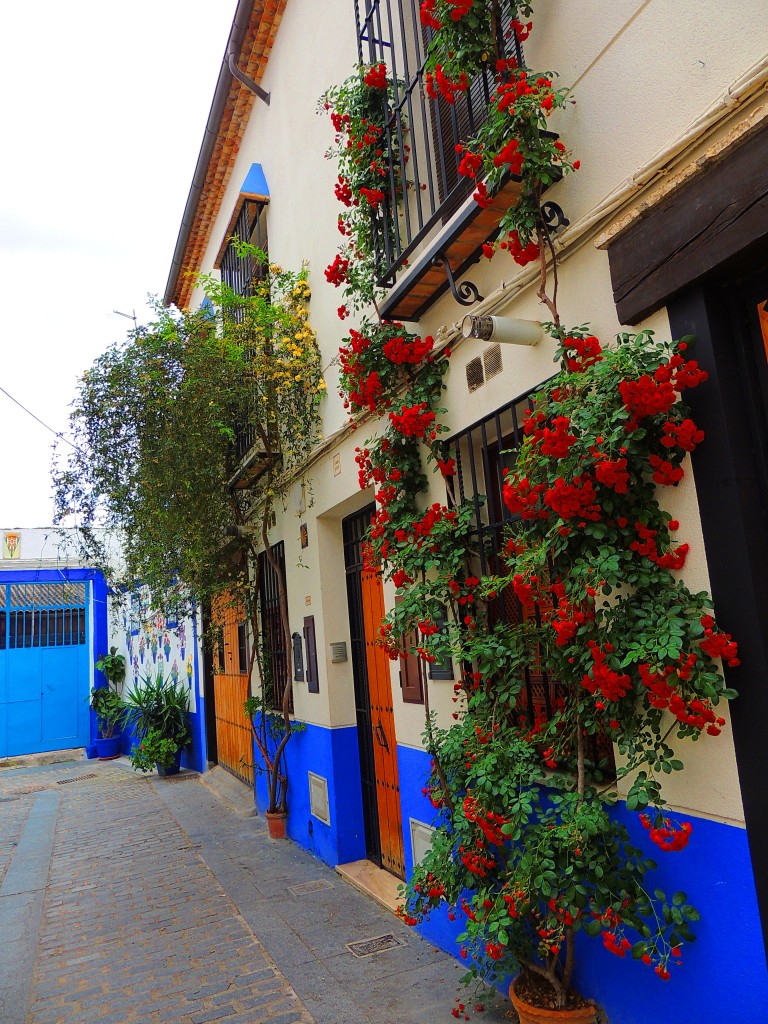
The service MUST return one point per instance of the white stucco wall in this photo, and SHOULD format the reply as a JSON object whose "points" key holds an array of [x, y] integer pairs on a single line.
{"points": [[641, 73]]}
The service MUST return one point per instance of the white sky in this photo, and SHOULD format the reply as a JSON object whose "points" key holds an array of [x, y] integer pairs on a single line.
{"points": [[102, 112]]}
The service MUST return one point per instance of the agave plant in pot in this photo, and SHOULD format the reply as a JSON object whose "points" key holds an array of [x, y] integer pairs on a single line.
{"points": [[158, 712]]}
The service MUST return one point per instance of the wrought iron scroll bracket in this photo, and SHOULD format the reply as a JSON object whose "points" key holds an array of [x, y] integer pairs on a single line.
{"points": [[553, 216], [466, 294]]}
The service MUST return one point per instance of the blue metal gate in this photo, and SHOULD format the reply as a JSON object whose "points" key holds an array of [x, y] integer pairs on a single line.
{"points": [[45, 668]]}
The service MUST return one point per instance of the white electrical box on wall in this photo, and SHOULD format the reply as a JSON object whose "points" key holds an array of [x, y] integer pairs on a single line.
{"points": [[421, 840], [318, 798]]}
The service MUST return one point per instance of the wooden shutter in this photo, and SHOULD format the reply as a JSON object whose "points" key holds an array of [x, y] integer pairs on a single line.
{"points": [[411, 679], [313, 681]]}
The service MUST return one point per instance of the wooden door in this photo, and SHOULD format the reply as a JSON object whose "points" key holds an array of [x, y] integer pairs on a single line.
{"points": [[382, 722], [231, 689]]}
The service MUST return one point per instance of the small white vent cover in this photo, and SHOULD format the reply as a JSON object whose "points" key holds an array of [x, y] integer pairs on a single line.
{"points": [[475, 375], [338, 651], [421, 840], [318, 798], [492, 361]]}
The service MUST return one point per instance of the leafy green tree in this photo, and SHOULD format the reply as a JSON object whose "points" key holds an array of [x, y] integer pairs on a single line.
{"points": [[155, 422]]}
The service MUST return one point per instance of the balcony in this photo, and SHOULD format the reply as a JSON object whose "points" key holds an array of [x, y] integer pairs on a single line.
{"points": [[428, 235]]}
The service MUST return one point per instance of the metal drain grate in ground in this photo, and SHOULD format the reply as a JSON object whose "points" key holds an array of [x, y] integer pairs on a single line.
{"points": [[179, 778], [306, 887], [369, 947], [75, 778]]}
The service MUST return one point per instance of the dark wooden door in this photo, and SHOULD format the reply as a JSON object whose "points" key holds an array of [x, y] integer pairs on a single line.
{"points": [[373, 702]]}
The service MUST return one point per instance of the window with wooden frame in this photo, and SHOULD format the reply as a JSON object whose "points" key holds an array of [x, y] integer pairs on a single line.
{"points": [[411, 670], [275, 655]]}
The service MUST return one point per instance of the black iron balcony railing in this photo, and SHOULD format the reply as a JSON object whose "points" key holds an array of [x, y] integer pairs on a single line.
{"points": [[421, 134], [241, 270]]}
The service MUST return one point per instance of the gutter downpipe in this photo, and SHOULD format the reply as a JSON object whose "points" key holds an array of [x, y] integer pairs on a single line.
{"points": [[240, 24]]}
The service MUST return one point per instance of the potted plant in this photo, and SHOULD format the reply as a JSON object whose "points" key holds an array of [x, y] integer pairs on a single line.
{"points": [[109, 709], [157, 751], [112, 666], [528, 849], [271, 731], [158, 711], [107, 704]]}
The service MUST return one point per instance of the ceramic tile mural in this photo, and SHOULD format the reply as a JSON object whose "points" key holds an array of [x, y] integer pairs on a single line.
{"points": [[153, 642]]}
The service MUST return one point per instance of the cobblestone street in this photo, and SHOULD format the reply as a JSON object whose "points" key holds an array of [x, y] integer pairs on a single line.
{"points": [[127, 900]]}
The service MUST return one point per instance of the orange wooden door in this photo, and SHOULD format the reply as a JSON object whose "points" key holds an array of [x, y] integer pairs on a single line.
{"points": [[230, 690], [382, 727]]}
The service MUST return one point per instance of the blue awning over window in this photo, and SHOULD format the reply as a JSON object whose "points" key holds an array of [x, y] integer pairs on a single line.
{"points": [[254, 190], [255, 184]]}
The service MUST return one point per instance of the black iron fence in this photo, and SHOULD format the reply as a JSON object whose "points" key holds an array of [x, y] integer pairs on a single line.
{"points": [[421, 134]]}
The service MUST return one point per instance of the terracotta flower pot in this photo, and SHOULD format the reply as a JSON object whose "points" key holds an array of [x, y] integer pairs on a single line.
{"points": [[529, 1014], [276, 823]]}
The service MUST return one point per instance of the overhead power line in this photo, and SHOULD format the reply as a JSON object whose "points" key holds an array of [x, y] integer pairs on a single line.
{"points": [[55, 433]]}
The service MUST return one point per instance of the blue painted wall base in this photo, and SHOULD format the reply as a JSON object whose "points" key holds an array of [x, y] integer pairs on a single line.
{"points": [[723, 977], [333, 755]]}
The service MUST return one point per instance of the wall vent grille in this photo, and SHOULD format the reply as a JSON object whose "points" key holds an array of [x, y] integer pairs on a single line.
{"points": [[492, 361], [318, 798], [475, 374]]}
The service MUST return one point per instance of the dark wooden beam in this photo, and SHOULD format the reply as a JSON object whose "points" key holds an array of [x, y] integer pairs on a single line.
{"points": [[730, 489], [715, 216]]}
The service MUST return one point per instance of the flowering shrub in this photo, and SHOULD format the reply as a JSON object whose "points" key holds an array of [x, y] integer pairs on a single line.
{"points": [[154, 750], [526, 850], [514, 140], [467, 36], [371, 161]]}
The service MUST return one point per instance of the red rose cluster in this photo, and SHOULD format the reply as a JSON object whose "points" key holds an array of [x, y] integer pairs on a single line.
{"points": [[611, 684]]}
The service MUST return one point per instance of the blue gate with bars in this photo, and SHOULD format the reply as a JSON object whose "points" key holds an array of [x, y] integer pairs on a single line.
{"points": [[45, 665]]}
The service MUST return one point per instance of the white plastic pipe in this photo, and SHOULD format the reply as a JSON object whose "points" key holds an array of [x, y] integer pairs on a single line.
{"points": [[502, 329]]}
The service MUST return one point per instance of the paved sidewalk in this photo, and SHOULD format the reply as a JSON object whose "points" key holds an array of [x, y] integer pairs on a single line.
{"points": [[150, 901]]}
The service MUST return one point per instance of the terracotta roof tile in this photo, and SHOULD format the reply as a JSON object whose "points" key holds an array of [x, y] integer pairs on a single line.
{"points": [[260, 35]]}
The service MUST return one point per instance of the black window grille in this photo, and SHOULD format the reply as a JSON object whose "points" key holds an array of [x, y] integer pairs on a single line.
{"points": [[275, 655], [241, 271], [43, 615], [421, 134], [483, 451], [242, 647]]}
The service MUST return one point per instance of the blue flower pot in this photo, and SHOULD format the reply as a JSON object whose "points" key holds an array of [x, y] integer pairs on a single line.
{"points": [[108, 749], [174, 768]]}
